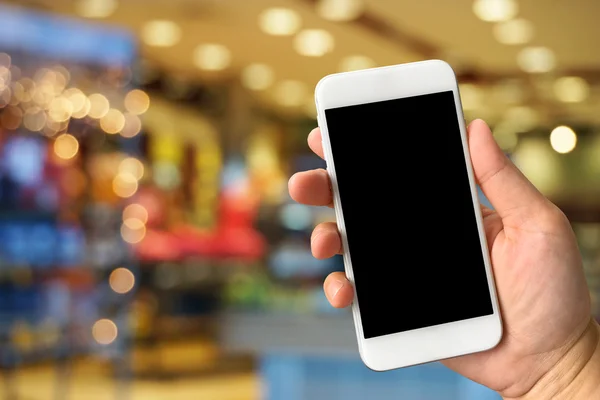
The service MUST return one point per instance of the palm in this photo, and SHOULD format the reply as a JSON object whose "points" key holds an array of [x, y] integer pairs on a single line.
{"points": [[532, 263]]}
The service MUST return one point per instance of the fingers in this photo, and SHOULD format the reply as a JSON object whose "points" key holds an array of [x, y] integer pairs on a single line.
{"points": [[315, 143], [312, 188], [338, 290], [325, 241], [485, 211], [503, 184]]}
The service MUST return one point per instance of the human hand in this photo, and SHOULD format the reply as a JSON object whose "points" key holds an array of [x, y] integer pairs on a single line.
{"points": [[550, 344]]}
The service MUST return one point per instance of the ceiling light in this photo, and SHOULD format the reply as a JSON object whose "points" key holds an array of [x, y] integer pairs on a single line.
{"points": [[313, 42], [161, 33], [563, 139], [571, 89], [536, 59], [96, 8], [257, 76], [514, 31], [212, 57], [340, 10], [279, 21], [291, 93], [355, 63], [495, 10]]}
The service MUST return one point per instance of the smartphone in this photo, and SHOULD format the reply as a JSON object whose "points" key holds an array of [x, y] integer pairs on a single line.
{"points": [[406, 205]]}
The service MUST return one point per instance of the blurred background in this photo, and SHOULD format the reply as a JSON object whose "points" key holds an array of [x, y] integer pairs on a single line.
{"points": [[148, 246]]}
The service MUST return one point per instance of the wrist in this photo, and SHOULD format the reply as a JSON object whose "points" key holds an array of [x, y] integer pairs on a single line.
{"points": [[576, 375]]}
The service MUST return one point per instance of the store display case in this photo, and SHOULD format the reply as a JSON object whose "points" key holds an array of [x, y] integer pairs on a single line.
{"points": [[68, 139]]}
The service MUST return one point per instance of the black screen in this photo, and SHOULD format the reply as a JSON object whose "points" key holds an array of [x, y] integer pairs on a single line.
{"points": [[409, 215]]}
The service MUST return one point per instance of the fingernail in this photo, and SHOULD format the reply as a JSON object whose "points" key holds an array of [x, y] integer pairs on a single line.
{"points": [[335, 287]]}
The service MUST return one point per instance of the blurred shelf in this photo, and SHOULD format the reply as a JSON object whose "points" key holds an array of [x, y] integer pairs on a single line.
{"points": [[271, 332]]}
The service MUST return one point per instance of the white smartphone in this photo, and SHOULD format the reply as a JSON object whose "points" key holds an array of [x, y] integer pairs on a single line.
{"points": [[406, 205]]}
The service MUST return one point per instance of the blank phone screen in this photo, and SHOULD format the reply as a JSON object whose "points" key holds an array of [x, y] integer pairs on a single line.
{"points": [[409, 215]]}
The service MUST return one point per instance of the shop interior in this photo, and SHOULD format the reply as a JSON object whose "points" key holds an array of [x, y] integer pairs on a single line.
{"points": [[149, 248]]}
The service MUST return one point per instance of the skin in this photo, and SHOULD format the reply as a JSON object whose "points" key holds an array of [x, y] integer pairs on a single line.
{"points": [[544, 299]]}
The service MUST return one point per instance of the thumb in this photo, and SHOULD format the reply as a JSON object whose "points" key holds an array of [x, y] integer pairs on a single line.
{"points": [[511, 194]]}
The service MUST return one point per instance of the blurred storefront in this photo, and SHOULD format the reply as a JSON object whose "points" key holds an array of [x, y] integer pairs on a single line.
{"points": [[148, 245]]}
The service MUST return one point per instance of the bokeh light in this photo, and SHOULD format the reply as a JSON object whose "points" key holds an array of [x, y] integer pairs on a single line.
{"points": [[563, 139], [513, 32], [495, 10], [26, 90], [291, 93], [340, 10], [132, 127], [104, 331], [5, 97], [113, 122], [355, 63], [99, 106], [34, 119], [66, 146], [121, 280], [96, 8], [44, 94], [280, 21], [161, 33], [60, 109], [212, 57], [133, 166], [84, 110], [52, 127], [133, 230], [571, 89], [536, 59], [314, 42], [135, 211], [77, 99], [137, 102], [257, 76], [125, 184]]}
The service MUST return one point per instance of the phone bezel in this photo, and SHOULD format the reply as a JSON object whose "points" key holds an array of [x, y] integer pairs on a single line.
{"points": [[426, 344]]}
